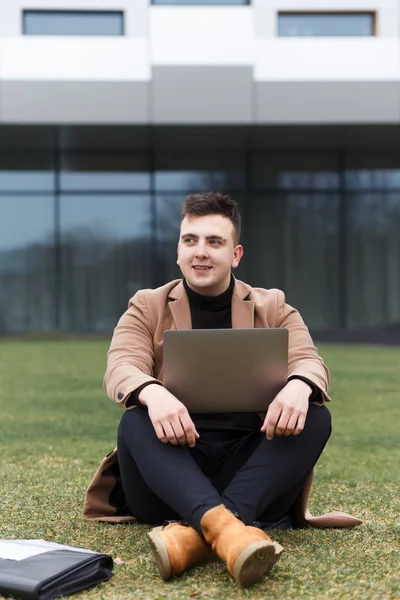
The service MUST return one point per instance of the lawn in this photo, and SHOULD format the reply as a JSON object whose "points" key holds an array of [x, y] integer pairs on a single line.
{"points": [[56, 425]]}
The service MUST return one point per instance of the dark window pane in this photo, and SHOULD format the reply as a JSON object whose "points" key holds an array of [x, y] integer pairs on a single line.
{"points": [[72, 23], [106, 257], [104, 172], [373, 172], [168, 210], [373, 265], [281, 171], [26, 263], [330, 24], [26, 172], [293, 245], [192, 172]]}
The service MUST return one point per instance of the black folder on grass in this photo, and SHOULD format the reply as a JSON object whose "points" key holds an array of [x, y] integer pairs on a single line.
{"points": [[38, 570]]}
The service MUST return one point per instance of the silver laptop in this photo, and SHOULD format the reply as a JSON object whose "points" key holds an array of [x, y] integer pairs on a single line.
{"points": [[225, 370]]}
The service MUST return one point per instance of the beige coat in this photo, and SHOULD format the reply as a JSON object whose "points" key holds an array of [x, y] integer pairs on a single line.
{"points": [[135, 357]]}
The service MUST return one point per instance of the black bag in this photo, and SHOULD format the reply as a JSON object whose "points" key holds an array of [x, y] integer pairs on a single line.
{"points": [[58, 571]]}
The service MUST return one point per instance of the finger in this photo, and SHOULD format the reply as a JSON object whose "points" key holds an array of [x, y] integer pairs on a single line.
{"points": [[169, 433], [301, 421], [282, 423], [160, 433], [273, 414], [291, 424], [179, 431], [189, 429]]}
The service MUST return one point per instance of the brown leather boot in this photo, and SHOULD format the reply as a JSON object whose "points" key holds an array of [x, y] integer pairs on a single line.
{"points": [[248, 552], [176, 547]]}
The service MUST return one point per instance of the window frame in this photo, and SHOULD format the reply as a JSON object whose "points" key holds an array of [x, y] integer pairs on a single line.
{"points": [[28, 11], [325, 13]]}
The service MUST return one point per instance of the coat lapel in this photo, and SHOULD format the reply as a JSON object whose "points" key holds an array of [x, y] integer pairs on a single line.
{"points": [[242, 309], [180, 308]]}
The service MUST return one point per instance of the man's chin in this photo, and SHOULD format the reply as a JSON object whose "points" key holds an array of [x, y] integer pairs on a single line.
{"points": [[201, 287]]}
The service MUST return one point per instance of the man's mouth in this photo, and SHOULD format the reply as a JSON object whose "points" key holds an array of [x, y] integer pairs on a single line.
{"points": [[201, 268]]}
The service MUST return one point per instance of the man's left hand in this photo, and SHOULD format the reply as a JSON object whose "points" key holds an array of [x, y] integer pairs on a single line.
{"points": [[287, 413]]}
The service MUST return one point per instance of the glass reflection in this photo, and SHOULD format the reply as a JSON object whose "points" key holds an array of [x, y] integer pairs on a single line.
{"points": [[293, 245], [195, 181], [26, 263], [106, 257], [196, 172], [104, 172], [63, 22], [373, 179], [373, 270], [281, 171], [325, 24], [23, 171]]}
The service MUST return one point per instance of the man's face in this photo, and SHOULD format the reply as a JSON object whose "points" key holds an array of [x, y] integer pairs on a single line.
{"points": [[207, 253]]}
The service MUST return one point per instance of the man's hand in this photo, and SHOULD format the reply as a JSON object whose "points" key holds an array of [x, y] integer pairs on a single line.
{"points": [[287, 413], [170, 418]]}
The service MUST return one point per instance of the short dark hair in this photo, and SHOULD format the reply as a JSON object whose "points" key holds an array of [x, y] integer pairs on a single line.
{"points": [[213, 203]]}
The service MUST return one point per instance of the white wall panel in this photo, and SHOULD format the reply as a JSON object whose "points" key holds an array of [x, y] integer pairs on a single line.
{"points": [[74, 59], [388, 23], [10, 19], [327, 59], [201, 35]]}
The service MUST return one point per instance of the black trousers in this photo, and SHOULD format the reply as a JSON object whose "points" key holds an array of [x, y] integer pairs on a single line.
{"points": [[256, 478]]}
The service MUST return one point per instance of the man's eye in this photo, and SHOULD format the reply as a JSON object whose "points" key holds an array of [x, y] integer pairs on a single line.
{"points": [[215, 242]]}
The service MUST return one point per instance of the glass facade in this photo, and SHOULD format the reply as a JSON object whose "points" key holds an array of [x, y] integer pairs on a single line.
{"points": [[326, 24], [67, 22], [82, 229]]}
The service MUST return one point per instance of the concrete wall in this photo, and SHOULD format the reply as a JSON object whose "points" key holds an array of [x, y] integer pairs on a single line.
{"points": [[199, 65]]}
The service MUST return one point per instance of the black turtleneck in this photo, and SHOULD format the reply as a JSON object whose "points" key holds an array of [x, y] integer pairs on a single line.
{"points": [[211, 312]]}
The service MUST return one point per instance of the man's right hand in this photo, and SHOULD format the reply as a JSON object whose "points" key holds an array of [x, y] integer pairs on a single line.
{"points": [[170, 418]]}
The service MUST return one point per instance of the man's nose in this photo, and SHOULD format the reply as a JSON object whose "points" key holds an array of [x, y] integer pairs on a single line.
{"points": [[201, 249]]}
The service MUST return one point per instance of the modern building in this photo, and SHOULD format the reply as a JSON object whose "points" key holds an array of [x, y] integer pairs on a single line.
{"points": [[111, 111]]}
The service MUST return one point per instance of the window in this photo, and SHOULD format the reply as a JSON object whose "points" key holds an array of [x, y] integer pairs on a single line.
{"points": [[62, 22], [185, 172], [203, 2], [106, 256], [326, 24], [295, 171], [117, 172], [27, 274], [26, 171]]}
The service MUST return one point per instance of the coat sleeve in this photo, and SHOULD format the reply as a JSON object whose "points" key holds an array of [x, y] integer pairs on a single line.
{"points": [[304, 359], [130, 361]]}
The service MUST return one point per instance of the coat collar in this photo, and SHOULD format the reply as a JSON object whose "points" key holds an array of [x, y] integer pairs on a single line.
{"points": [[242, 308]]}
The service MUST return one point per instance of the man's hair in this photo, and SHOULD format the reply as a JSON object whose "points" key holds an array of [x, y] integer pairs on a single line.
{"points": [[213, 203]]}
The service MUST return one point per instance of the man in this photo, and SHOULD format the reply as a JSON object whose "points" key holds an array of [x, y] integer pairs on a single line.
{"points": [[214, 476]]}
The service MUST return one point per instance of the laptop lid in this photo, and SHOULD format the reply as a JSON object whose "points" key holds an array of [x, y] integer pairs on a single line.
{"points": [[225, 370]]}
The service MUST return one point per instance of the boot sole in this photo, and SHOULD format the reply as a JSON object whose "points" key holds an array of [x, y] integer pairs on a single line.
{"points": [[255, 562], [160, 553]]}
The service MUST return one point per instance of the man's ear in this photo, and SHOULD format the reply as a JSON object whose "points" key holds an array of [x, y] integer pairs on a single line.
{"points": [[237, 255]]}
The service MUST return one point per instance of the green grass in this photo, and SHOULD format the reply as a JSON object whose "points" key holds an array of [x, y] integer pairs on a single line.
{"points": [[56, 425]]}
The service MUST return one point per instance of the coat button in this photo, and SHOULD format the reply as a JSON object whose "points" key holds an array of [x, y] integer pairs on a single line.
{"points": [[120, 395]]}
